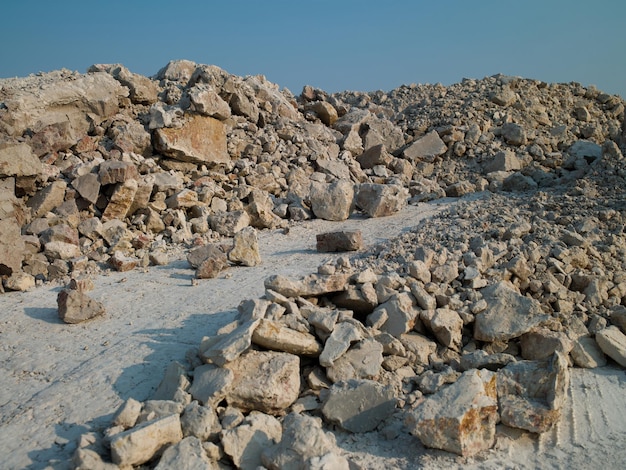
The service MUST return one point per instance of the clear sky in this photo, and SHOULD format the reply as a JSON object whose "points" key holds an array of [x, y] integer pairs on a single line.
{"points": [[336, 45]]}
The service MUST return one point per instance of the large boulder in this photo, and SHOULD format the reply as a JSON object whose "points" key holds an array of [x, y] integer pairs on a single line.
{"points": [[332, 201], [380, 200]]}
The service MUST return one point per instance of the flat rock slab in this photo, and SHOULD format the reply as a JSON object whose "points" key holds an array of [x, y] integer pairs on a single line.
{"points": [[278, 337], [613, 343], [359, 405]]}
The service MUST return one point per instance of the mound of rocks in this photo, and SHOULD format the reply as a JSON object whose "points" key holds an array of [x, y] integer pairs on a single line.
{"points": [[470, 320]]}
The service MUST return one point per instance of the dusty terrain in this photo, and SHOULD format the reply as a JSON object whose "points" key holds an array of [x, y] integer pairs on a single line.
{"points": [[63, 380]]}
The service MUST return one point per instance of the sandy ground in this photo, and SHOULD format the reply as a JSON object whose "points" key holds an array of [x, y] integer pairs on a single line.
{"points": [[59, 381]]}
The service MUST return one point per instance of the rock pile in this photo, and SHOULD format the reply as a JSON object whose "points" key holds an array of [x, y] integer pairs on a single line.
{"points": [[471, 319]]}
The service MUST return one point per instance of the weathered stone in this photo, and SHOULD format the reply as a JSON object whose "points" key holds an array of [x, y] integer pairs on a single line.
{"points": [[420, 271], [116, 171], [184, 199], [376, 155], [531, 393], [277, 337], [146, 441], [303, 439], [88, 186], [200, 421], [123, 263], [362, 361], [401, 313], [11, 247], [342, 336], [19, 281], [87, 459], [504, 160], [586, 353], [227, 347], [245, 443], [201, 139], [359, 300], [613, 343], [381, 200], [481, 359], [311, 285], [426, 148], [418, 346], [332, 201], [585, 149], [503, 96], [324, 110], [48, 198], [514, 134], [265, 381], [519, 182], [210, 384], [446, 325], [430, 381], [155, 409], [245, 249], [18, 159], [75, 306], [424, 300], [460, 418], [260, 208], [121, 201], [186, 454], [508, 314], [350, 240], [205, 100], [174, 379], [359, 405], [542, 343], [229, 223], [127, 414]]}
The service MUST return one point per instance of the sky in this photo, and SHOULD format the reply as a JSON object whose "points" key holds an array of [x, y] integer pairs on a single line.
{"points": [[362, 45]]}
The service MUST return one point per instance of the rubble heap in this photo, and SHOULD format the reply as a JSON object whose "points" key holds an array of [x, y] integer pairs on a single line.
{"points": [[470, 320]]}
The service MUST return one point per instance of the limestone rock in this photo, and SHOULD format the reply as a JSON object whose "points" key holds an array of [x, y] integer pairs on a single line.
{"points": [[426, 148], [586, 353], [200, 421], [116, 171], [11, 247], [376, 155], [359, 405], [48, 198], [340, 339], [88, 186], [303, 439], [121, 201], [446, 324], [227, 347], [362, 361], [229, 223], [508, 314], [127, 414], [311, 285], [75, 306], [514, 134], [265, 381], [210, 384], [332, 201], [504, 160], [381, 200], [206, 101], [277, 337], [174, 379], [201, 139], [460, 418], [542, 343], [146, 441], [245, 443], [531, 393], [186, 454], [245, 249], [18, 159], [400, 312], [324, 110], [347, 240], [123, 263], [613, 343], [20, 281]]}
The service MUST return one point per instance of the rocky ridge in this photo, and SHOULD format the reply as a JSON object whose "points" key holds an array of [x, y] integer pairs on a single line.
{"points": [[497, 297]]}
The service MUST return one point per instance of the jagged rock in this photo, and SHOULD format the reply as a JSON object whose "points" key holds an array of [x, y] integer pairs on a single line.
{"points": [[376, 155], [542, 343], [74, 306], [245, 443], [359, 405], [11, 247], [245, 249], [116, 171], [504, 160], [154, 409], [613, 343], [460, 418], [361, 361], [88, 186], [351, 240], [481, 359], [127, 414], [206, 101], [381, 200], [358, 299], [121, 201], [277, 337], [514, 134], [19, 281], [400, 313], [188, 453], [229, 223], [508, 314], [430, 382], [210, 384], [332, 201], [146, 441], [426, 148], [531, 393], [18, 159], [418, 346], [324, 110], [265, 381], [586, 353], [48, 198], [123, 263], [185, 198], [446, 325], [200, 421], [302, 441], [174, 379], [340, 339], [227, 347], [201, 139]]}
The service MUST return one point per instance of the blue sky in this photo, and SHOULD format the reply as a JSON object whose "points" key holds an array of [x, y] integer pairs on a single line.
{"points": [[333, 45]]}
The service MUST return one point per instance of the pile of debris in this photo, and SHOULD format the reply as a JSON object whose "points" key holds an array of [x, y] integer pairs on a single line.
{"points": [[470, 320]]}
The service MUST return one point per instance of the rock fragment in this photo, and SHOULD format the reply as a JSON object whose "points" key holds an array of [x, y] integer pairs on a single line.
{"points": [[613, 343], [346, 240], [74, 306]]}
